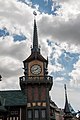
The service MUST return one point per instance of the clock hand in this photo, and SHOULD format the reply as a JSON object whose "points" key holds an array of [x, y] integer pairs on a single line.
{"points": [[35, 68]]}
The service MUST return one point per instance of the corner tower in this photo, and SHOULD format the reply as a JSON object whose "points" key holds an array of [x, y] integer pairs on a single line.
{"points": [[36, 83]]}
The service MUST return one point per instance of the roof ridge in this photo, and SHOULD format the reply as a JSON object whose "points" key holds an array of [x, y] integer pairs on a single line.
{"points": [[9, 90]]}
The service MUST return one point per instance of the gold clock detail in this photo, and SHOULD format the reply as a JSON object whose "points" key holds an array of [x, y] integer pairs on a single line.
{"points": [[36, 69]]}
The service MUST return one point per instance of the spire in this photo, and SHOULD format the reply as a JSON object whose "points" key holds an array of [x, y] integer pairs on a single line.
{"points": [[68, 115], [35, 36], [66, 109]]}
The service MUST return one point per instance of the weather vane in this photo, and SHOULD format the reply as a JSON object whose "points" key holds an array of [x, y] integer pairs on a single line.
{"points": [[35, 14]]}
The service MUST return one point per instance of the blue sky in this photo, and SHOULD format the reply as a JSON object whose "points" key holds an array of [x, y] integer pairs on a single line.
{"points": [[46, 6], [58, 25]]}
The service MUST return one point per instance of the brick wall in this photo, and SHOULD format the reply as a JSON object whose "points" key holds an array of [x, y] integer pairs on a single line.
{"points": [[43, 92], [29, 90], [36, 93]]}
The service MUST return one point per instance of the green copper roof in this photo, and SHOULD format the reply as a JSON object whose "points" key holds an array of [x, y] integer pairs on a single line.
{"points": [[13, 98], [2, 109]]}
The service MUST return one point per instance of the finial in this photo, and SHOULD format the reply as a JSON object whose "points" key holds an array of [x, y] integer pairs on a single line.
{"points": [[35, 14], [35, 36]]}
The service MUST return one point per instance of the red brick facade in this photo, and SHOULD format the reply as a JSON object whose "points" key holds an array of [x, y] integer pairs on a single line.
{"points": [[36, 93], [29, 93], [43, 93]]}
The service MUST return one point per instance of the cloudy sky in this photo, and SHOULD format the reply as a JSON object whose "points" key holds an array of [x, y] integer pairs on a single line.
{"points": [[58, 23]]}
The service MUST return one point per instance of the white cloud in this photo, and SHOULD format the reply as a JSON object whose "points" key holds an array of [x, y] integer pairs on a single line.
{"points": [[58, 96], [59, 79], [69, 9], [55, 68], [11, 56], [62, 28], [10, 83], [75, 75], [14, 49], [16, 17], [15, 13], [13, 64]]}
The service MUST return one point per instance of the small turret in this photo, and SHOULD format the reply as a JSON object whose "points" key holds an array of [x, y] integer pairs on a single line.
{"points": [[67, 112], [66, 109]]}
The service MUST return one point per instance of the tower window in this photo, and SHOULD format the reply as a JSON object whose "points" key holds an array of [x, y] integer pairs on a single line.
{"points": [[29, 113], [36, 113], [14, 118], [43, 113]]}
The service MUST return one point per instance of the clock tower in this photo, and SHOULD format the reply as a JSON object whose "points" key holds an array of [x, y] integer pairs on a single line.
{"points": [[36, 83]]}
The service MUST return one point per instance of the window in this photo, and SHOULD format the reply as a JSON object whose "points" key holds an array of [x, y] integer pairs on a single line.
{"points": [[17, 118], [14, 112], [36, 113], [43, 113], [14, 118], [29, 113], [1, 118], [10, 118], [7, 118]]}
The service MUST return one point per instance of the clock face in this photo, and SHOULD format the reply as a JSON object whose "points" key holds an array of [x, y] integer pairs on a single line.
{"points": [[36, 69]]}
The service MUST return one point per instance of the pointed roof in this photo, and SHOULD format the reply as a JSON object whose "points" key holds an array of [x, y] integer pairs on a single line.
{"points": [[34, 56], [66, 108], [53, 104], [35, 38], [71, 109], [35, 50]]}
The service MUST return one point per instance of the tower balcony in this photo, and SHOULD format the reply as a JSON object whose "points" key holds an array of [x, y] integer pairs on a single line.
{"points": [[48, 80]]}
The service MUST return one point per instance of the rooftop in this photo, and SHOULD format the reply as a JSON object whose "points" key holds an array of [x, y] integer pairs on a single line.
{"points": [[12, 98]]}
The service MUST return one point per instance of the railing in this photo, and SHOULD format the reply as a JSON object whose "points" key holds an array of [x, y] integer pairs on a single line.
{"points": [[36, 78]]}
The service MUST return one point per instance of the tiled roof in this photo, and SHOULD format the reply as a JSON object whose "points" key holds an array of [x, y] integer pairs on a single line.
{"points": [[13, 98], [34, 56], [53, 104], [2, 109], [71, 109]]}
